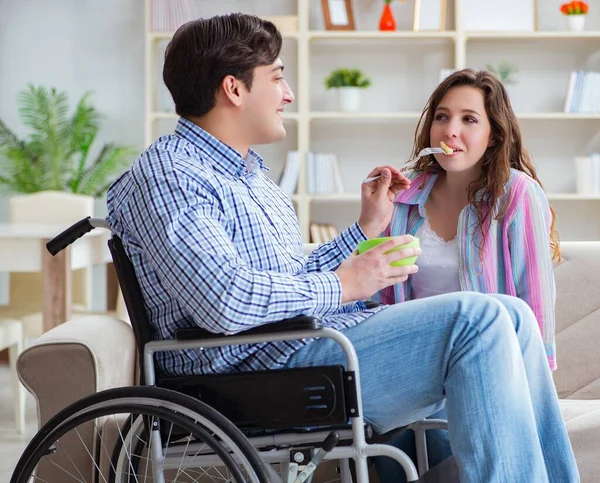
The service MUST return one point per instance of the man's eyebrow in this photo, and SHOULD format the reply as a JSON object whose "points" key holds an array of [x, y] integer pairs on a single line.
{"points": [[278, 67]]}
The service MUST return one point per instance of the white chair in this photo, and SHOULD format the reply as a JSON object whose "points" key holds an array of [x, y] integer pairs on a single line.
{"points": [[56, 208], [11, 338]]}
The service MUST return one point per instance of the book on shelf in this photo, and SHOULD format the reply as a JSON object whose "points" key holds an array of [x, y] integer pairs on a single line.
{"points": [[323, 174], [291, 171], [169, 15], [587, 174], [322, 232], [583, 92]]}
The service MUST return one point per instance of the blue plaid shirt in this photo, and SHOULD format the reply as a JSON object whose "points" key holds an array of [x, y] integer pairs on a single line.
{"points": [[216, 244]]}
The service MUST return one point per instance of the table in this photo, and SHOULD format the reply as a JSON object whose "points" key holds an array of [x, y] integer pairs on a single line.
{"points": [[23, 249]]}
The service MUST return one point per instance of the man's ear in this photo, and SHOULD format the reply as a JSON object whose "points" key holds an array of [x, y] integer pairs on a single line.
{"points": [[233, 89]]}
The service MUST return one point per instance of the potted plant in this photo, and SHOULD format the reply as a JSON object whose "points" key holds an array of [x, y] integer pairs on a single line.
{"points": [[575, 13], [505, 72], [56, 155], [348, 83]]}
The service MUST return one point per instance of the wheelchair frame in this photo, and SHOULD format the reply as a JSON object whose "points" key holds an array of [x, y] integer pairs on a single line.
{"points": [[359, 450]]}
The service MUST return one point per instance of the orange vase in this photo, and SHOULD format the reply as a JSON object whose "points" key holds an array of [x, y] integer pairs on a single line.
{"points": [[387, 21]]}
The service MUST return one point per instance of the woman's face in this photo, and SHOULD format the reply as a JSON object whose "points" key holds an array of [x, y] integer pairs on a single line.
{"points": [[461, 122]]}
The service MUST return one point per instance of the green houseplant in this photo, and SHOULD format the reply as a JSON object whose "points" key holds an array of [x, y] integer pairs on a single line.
{"points": [[347, 78], [56, 154], [348, 83], [505, 71]]}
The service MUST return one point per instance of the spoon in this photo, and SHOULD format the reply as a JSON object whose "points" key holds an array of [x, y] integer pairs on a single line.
{"points": [[409, 164]]}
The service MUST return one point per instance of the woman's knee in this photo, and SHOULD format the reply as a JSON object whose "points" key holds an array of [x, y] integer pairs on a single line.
{"points": [[482, 309], [521, 315]]}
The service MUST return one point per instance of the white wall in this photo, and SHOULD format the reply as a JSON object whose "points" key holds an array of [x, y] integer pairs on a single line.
{"points": [[98, 45], [77, 45]]}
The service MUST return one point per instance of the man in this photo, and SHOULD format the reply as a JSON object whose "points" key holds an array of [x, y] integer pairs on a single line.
{"points": [[216, 244]]}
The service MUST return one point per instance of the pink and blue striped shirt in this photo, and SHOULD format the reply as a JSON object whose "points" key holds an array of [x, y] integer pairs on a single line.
{"points": [[516, 259]]}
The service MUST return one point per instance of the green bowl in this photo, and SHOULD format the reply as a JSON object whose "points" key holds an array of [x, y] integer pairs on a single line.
{"points": [[365, 245]]}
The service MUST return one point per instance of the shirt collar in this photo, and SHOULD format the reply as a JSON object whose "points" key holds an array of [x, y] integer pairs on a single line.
{"points": [[417, 194], [223, 157]]}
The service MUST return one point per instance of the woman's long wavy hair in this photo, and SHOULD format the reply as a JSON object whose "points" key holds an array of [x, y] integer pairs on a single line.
{"points": [[505, 152]]}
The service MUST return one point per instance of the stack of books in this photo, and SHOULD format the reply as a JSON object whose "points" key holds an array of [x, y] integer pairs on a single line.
{"points": [[583, 93], [169, 15], [323, 175], [321, 233], [587, 170]]}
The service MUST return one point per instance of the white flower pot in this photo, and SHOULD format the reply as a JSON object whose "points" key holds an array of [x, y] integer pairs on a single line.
{"points": [[349, 98], [575, 23]]}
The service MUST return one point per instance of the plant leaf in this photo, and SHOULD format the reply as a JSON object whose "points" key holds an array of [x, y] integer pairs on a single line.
{"points": [[55, 154], [110, 162]]}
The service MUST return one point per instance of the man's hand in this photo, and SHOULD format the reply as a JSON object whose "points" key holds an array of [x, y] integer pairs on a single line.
{"points": [[377, 199], [363, 275]]}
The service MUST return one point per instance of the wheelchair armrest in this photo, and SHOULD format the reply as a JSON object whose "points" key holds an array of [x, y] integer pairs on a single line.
{"points": [[302, 322]]}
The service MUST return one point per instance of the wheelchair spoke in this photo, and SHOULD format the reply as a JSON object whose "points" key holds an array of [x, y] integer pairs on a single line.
{"points": [[71, 460], [88, 452], [201, 445], [124, 446], [70, 474], [39, 479], [146, 459], [180, 470]]}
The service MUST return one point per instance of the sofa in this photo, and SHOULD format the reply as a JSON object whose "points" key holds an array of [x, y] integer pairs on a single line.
{"points": [[94, 353]]}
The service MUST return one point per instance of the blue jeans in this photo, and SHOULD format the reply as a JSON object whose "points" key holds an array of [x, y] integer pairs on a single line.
{"points": [[438, 449], [480, 354]]}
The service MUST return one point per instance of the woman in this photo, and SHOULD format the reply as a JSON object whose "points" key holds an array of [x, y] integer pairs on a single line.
{"points": [[481, 215]]}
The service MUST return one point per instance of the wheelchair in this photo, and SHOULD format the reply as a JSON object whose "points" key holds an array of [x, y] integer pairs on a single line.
{"points": [[234, 427]]}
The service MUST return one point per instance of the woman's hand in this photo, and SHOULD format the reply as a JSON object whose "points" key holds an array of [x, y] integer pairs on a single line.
{"points": [[377, 199]]}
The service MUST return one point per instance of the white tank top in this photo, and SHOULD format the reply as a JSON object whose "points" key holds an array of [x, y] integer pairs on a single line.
{"points": [[438, 265]]}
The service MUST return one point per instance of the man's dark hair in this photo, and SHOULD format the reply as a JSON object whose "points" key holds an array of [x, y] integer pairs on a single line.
{"points": [[202, 52]]}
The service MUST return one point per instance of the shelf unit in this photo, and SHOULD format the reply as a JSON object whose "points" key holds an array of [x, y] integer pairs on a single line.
{"points": [[457, 48]]}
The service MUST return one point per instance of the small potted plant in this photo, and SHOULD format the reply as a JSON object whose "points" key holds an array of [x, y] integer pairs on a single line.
{"points": [[505, 72], [575, 13], [57, 154], [348, 83]]}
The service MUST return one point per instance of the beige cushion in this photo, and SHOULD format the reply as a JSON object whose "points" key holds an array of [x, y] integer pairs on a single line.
{"points": [[583, 424], [74, 360], [81, 357], [578, 321]]}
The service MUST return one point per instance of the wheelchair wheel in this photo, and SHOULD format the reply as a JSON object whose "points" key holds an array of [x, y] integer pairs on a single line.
{"points": [[141, 434]]}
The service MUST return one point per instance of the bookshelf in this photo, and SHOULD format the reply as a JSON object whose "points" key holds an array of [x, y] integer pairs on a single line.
{"points": [[404, 67]]}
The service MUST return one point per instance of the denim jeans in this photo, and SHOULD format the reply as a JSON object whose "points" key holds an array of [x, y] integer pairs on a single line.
{"points": [[480, 354]]}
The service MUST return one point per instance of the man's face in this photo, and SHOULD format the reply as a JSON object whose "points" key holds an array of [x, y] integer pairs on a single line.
{"points": [[263, 105]]}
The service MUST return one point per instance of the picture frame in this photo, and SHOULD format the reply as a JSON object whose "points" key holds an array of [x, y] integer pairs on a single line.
{"points": [[495, 16], [429, 15], [338, 14]]}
